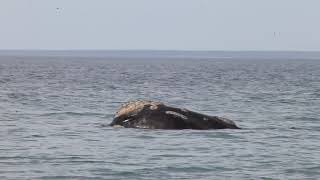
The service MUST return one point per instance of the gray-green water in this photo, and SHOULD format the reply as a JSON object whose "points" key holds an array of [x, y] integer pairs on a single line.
{"points": [[53, 112]]}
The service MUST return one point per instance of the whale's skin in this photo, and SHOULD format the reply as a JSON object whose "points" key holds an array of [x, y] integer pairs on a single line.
{"points": [[156, 115]]}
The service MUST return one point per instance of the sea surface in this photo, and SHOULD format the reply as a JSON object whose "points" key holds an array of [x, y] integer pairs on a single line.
{"points": [[55, 108]]}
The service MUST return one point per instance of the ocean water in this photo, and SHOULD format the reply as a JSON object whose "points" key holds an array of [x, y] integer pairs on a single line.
{"points": [[54, 111]]}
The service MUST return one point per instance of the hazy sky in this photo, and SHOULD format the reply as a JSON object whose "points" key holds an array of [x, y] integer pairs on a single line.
{"points": [[160, 24]]}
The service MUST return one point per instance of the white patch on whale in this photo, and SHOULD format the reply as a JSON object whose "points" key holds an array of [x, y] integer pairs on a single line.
{"points": [[176, 114]]}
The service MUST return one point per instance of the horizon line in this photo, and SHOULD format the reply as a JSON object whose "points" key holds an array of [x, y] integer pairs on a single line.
{"points": [[161, 50]]}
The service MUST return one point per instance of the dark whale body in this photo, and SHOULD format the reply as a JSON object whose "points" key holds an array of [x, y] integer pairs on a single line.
{"points": [[154, 115]]}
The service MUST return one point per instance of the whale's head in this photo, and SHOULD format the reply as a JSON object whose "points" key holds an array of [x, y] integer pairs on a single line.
{"points": [[132, 112]]}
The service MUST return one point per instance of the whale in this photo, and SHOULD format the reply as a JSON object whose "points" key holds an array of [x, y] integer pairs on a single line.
{"points": [[156, 115]]}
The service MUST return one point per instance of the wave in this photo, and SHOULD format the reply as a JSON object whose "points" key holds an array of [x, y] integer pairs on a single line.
{"points": [[70, 113]]}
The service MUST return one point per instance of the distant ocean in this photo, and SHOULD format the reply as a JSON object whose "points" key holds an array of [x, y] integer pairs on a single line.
{"points": [[55, 105]]}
